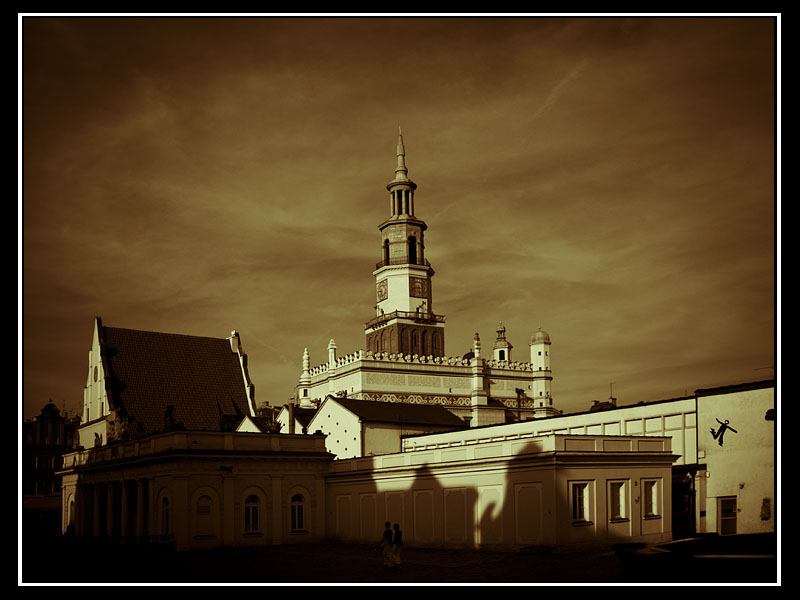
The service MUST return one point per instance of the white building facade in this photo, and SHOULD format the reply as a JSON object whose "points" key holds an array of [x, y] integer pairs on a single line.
{"points": [[509, 491], [727, 487]]}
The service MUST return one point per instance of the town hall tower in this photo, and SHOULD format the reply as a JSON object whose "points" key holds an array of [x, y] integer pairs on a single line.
{"points": [[405, 322]]}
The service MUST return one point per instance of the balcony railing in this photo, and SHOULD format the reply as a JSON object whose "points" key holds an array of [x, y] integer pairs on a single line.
{"points": [[403, 261], [417, 316]]}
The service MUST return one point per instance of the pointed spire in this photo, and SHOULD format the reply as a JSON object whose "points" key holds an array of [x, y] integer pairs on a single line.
{"points": [[401, 172]]}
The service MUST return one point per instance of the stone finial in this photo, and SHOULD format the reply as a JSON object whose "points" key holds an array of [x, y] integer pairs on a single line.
{"points": [[331, 354], [236, 343]]}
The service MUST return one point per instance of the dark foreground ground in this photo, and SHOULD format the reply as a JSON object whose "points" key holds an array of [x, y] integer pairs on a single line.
{"points": [[339, 563]]}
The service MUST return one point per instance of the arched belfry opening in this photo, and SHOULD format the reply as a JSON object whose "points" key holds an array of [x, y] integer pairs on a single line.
{"points": [[412, 250]]}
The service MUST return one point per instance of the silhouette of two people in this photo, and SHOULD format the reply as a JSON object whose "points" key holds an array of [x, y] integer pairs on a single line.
{"points": [[392, 543], [386, 543]]}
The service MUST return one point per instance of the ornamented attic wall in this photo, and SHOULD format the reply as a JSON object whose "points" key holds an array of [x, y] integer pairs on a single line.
{"points": [[448, 381]]}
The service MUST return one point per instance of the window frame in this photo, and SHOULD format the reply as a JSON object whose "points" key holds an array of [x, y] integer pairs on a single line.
{"points": [[654, 497], [164, 517], [581, 513], [252, 513], [297, 513], [618, 500]]}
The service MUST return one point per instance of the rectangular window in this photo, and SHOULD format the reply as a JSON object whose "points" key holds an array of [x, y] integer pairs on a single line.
{"points": [[580, 501], [296, 512], [297, 517], [617, 500], [251, 514], [250, 519], [651, 498]]}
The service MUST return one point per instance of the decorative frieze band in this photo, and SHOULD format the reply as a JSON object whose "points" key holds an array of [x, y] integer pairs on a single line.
{"points": [[416, 399]]}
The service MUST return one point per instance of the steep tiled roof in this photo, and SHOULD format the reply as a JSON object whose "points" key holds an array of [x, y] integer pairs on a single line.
{"points": [[200, 377], [401, 412]]}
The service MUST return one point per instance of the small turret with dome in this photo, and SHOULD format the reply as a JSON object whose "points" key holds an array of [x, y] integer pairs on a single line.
{"points": [[502, 347], [540, 337], [540, 361]]}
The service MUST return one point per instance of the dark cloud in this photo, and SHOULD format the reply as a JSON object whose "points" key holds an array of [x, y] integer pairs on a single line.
{"points": [[611, 180]]}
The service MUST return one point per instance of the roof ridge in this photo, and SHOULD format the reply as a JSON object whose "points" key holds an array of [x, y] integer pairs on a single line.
{"points": [[167, 333]]}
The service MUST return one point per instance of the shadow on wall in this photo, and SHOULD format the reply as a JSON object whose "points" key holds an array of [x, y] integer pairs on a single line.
{"points": [[500, 500], [502, 504]]}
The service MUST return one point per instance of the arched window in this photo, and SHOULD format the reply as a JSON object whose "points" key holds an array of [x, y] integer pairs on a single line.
{"points": [[251, 522], [386, 251], [412, 250], [165, 516], [502, 354], [297, 516]]}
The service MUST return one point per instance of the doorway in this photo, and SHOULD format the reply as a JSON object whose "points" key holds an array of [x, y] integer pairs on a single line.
{"points": [[726, 515]]}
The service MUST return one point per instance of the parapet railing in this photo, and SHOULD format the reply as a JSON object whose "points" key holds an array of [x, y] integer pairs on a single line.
{"points": [[427, 317], [358, 355]]}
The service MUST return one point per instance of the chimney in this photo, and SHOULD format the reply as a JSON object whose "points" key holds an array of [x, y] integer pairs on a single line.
{"points": [[291, 417]]}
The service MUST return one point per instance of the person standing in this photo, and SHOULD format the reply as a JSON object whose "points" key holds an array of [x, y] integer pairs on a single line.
{"points": [[397, 545], [386, 542]]}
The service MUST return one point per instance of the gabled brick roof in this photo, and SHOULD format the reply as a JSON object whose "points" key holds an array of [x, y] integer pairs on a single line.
{"points": [[200, 377], [401, 412]]}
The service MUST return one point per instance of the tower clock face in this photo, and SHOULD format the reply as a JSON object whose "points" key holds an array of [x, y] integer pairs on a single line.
{"points": [[381, 288], [418, 287]]}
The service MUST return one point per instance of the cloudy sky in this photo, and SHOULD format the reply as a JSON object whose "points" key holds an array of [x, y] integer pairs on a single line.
{"points": [[612, 180]]}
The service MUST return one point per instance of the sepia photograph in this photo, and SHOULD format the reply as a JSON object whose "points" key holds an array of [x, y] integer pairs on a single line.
{"points": [[417, 299]]}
